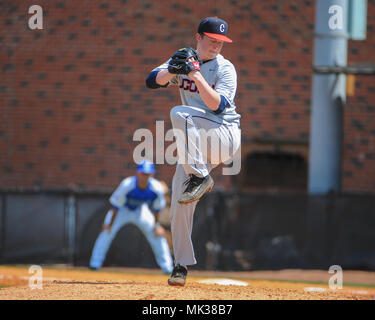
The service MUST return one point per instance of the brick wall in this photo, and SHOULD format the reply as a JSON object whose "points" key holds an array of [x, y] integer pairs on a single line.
{"points": [[358, 154], [73, 94], [358, 167]]}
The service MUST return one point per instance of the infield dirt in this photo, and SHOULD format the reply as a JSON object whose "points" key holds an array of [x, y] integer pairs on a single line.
{"points": [[77, 283]]}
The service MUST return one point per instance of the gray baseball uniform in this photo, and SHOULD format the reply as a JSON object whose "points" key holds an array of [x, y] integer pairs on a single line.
{"points": [[201, 135]]}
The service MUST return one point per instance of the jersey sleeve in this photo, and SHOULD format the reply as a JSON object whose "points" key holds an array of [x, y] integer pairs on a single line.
{"points": [[226, 84], [159, 202], [118, 197]]}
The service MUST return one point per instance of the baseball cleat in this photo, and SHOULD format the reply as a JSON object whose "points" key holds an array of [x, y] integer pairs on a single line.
{"points": [[196, 188], [178, 277]]}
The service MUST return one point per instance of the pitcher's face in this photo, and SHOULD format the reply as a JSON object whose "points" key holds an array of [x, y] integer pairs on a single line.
{"points": [[208, 48]]}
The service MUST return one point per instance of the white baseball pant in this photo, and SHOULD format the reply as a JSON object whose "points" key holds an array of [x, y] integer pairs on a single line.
{"points": [[143, 218], [192, 127]]}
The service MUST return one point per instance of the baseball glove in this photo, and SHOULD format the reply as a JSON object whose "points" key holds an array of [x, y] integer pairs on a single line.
{"points": [[179, 61]]}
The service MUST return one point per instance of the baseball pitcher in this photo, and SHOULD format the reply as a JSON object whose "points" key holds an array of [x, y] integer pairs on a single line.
{"points": [[207, 84]]}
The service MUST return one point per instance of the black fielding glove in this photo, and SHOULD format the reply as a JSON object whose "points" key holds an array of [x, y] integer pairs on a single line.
{"points": [[178, 63]]}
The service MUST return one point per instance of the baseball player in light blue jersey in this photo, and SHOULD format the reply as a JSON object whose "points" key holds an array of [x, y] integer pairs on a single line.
{"points": [[132, 202], [207, 92]]}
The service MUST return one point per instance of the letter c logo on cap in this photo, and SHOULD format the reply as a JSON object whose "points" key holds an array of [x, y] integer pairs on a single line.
{"points": [[222, 27]]}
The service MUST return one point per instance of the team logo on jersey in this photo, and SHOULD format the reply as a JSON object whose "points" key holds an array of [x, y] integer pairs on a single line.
{"points": [[189, 85]]}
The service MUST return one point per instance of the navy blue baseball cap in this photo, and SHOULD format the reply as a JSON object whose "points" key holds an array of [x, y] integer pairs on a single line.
{"points": [[146, 167], [214, 27]]}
